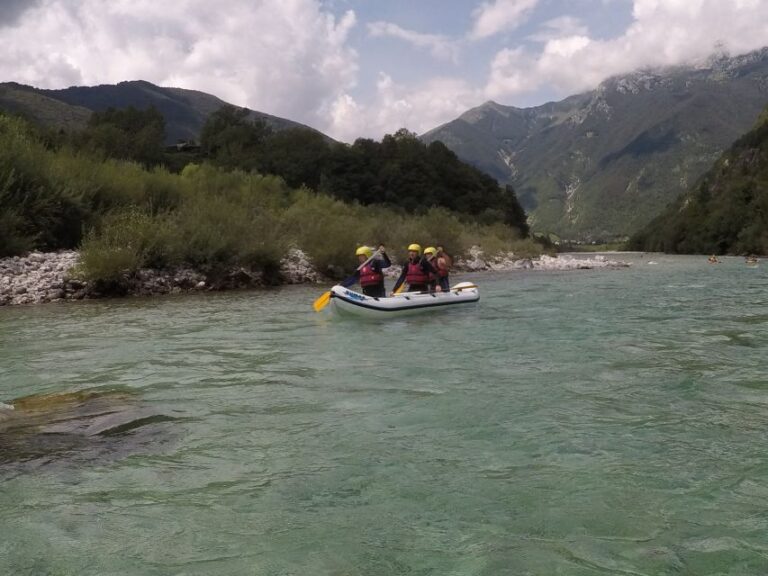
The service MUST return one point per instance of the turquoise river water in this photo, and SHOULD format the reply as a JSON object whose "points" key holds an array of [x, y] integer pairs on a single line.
{"points": [[585, 422]]}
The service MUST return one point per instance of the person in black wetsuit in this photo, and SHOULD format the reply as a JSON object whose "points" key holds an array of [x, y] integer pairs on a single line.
{"points": [[370, 275], [415, 271]]}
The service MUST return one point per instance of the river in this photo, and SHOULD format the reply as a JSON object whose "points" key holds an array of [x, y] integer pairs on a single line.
{"points": [[584, 422]]}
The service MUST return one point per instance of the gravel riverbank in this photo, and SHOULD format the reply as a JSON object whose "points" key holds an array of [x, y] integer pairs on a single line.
{"points": [[41, 277]]}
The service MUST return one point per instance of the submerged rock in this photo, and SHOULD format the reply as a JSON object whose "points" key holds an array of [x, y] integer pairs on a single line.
{"points": [[95, 422]]}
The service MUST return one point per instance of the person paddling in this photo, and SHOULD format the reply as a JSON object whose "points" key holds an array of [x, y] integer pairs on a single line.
{"points": [[370, 276], [429, 255], [415, 271], [442, 265]]}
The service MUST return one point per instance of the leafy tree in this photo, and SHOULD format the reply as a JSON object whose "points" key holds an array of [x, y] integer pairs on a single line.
{"points": [[231, 140], [400, 171], [126, 134], [298, 155], [403, 171]]}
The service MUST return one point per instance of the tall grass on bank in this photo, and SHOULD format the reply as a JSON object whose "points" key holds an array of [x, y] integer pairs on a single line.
{"points": [[124, 217]]}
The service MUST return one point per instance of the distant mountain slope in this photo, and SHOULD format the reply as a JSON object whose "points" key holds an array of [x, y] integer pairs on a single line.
{"points": [[726, 212], [185, 111], [41, 109], [604, 163]]}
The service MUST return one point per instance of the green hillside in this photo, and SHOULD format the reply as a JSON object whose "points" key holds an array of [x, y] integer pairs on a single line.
{"points": [[601, 165], [726, 212], [185, 111], [41, 109]]}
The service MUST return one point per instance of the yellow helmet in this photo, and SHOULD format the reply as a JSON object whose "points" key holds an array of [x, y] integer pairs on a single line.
{"points": [[430, 250], [364, 251], [414, 248]]}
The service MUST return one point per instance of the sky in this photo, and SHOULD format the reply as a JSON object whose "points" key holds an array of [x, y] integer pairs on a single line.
{"points": [[365, 68]]}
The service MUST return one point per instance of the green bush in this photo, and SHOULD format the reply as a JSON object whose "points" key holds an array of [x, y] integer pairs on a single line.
{"points": [[119, 247], [13, 239], [106, 264], [327, 229]]}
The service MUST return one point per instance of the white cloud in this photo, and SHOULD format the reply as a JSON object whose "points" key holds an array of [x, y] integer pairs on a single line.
{"points": [[287, 58], [439, 46], [491, 18], [664, 32], [417, 108], [510, 71], [293, 58], [559, 27]]}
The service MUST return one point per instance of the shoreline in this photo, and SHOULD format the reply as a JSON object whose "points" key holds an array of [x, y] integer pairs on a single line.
{"points": [[46, 277]]}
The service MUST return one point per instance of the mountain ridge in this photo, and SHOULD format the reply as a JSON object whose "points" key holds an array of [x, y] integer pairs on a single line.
{"points": [[603, 163], [185, 111]]}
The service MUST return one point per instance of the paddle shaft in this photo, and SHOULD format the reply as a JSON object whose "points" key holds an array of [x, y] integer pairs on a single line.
{"points": [[367, 261]]}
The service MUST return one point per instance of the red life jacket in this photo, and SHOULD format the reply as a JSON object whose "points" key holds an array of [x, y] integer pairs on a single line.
{"points": [[369, 276], [415, 275], [442, 271], [432, 271]]}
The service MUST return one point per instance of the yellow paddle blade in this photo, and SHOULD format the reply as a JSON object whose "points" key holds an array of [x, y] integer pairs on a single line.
{"points": [[402, 287], [322, 302]]}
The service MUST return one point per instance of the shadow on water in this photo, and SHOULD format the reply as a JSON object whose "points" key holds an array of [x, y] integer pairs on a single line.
{"points": [[87, 425]]}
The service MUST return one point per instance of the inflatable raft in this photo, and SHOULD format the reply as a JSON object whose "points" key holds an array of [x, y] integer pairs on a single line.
{"points": [[348, 302]]}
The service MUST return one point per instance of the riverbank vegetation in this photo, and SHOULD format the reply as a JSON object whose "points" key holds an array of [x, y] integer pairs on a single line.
{"points": [[726, 212], [128, 214], [400, 171]]}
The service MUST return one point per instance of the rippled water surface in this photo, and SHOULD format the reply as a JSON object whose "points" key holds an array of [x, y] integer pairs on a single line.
{"points": [[589, 422]]}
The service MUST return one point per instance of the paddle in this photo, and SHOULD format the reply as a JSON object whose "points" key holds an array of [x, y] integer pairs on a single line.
{"points": [[323, 300], [457, 288]]}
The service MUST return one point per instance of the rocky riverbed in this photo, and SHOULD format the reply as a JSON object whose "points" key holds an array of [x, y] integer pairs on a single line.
{"points": [[41, 277], [477, 261]]}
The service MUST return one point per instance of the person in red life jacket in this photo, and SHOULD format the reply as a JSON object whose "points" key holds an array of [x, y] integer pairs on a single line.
{"points": [[429, 256], [442, 264], [370, 276], [415, 271]]}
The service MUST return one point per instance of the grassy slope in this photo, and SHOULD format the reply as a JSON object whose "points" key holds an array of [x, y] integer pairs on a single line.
{"points": [[42, 110]]}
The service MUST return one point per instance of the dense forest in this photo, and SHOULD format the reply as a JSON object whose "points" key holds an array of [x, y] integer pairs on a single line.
{"points": [[726, 212], [399, 171], [112, 191]]}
